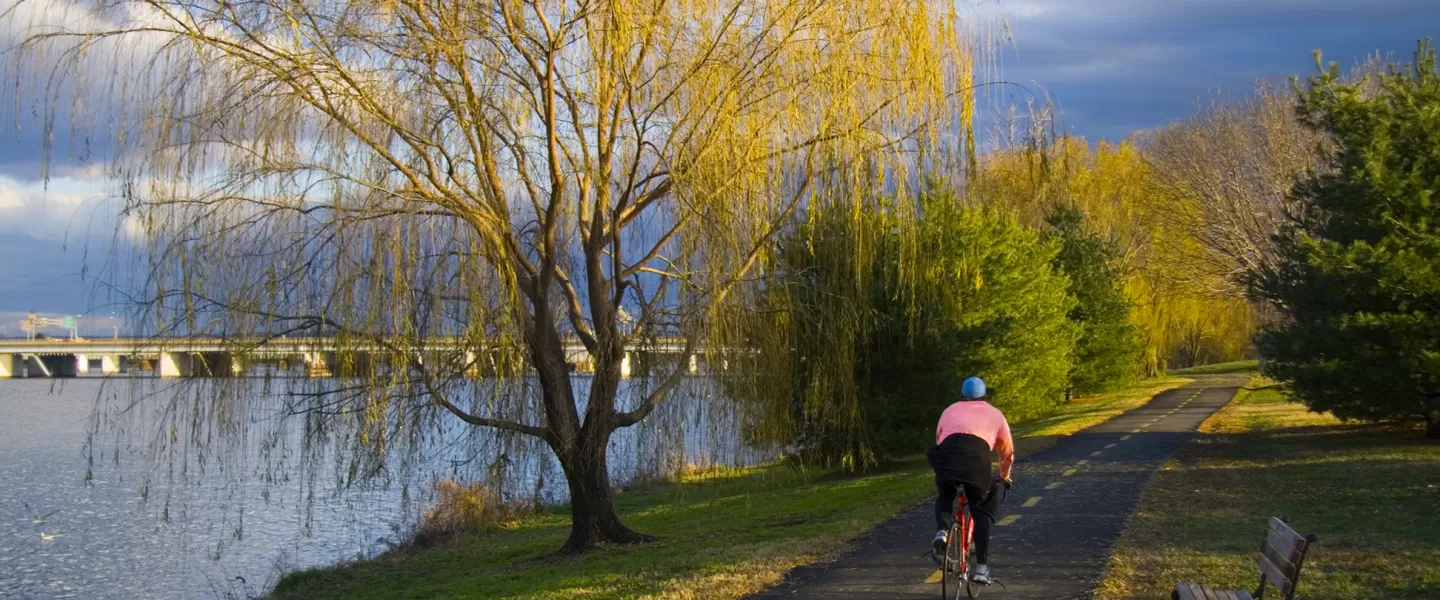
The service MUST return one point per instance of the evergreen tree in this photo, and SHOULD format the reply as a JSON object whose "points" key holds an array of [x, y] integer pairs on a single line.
{"points": [[1359, 282], [1107, 352]]}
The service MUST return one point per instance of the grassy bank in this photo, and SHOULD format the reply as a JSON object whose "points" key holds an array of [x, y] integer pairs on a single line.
{"points": [[720, 537], [1371, 494]]}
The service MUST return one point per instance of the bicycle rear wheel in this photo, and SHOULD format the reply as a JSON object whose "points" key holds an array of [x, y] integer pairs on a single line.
{"points": [[972, 589], [952, 570]]}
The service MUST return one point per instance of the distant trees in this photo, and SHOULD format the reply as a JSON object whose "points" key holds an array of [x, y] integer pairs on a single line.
{"points": [[1225, 175], [1357, 279], [1179, 307]]}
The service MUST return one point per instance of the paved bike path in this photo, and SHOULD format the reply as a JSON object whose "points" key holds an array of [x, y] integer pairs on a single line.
{"points": [[1069, 506]]}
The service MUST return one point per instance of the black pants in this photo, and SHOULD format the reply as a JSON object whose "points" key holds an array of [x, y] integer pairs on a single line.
{"points": [[964, 460]]}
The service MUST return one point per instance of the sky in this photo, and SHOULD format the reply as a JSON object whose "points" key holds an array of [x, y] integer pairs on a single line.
{"points": [[1111, 66]]}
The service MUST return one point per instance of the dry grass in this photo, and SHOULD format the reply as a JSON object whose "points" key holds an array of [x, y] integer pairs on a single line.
{"points": [[1370, 494], [467, 508]]}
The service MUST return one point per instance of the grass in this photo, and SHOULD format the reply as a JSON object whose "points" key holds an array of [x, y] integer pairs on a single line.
{"points": [[721, 535], [1230, 368], [1370, 493]]}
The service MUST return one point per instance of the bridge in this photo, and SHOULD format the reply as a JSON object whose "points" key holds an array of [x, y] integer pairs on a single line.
{"points": [[320, 357]]}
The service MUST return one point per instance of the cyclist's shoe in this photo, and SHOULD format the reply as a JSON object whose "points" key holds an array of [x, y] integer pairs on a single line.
{"points": [[942, 538], [981, 575]]}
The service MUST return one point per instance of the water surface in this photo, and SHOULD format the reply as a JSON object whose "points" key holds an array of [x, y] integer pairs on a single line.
{"points": [[117, 522]]}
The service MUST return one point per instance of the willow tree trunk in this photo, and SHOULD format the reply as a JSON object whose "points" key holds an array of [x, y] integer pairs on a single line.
{"points": [[581, 445], [592, 508]]}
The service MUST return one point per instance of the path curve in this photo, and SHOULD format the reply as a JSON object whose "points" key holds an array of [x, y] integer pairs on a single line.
{"points": [[1070, 504]]}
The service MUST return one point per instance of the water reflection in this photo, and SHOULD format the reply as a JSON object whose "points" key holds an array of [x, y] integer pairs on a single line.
{"points": [[224, 519]]}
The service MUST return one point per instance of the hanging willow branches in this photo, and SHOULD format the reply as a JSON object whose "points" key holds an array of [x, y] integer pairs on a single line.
{"points": [[505, 175]]}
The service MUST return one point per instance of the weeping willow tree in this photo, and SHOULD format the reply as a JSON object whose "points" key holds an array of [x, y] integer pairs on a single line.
{"points": [[503, 176]]}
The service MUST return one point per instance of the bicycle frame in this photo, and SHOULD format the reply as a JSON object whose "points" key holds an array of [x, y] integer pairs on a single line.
{"points": [[962, 517], [957, 570]]}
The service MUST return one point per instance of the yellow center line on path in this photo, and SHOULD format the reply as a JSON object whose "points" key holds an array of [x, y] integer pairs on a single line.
{"points": [[1125, 438], [1083, 463], [1008, 521], [1032, 501], [1068, 472], [935, 577], [1137, 430], [1109, 446], [1053, 486], [1095, 453]]}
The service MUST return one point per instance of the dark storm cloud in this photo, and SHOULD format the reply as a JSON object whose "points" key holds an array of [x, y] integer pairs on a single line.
{"points": [[1115, 66]]}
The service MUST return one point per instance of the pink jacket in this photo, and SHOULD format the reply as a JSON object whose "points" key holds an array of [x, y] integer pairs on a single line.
{"points": [[980, 419]]}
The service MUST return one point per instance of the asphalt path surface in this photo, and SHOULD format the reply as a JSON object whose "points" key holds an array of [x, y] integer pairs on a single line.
{"points": [[1055, 531]]}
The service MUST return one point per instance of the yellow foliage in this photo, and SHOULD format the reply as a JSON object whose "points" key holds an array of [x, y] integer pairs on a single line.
{"points": [[1179, 315]]}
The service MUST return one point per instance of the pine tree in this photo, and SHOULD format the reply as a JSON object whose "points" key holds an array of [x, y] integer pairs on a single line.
{"points": [[1107, 353], [1359, 282]]}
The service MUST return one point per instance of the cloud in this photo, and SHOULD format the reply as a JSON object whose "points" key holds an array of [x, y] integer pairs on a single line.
{"points": [[1115, 66], [67, 209], [60, 109]]}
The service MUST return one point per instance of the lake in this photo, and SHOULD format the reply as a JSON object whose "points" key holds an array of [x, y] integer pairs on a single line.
{"points": [[152, 519]]}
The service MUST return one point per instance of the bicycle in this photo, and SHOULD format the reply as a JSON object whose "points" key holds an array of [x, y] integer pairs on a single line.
{"points": [[955, 565]]}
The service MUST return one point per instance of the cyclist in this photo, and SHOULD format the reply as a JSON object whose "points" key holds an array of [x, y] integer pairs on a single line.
{"points": [[967, 432]]}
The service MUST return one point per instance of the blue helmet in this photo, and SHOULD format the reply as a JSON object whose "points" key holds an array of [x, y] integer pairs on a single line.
{"points": [[974, 387]]}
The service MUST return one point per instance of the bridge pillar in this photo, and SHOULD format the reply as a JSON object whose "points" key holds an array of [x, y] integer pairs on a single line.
{"points": [[625, 365], [9, 366], [473, 368], [694, 363], [317, 364], [174, 364], [82, 363]]}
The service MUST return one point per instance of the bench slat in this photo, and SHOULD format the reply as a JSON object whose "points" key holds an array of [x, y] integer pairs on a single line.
{"points": [[1195, 591], [1275, 575], [1282, 546], [1187, 591], [1280, 559], [1284, 532]]}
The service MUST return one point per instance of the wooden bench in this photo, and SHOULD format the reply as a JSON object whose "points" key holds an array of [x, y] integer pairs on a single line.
{"points": [[1281, 555]]}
